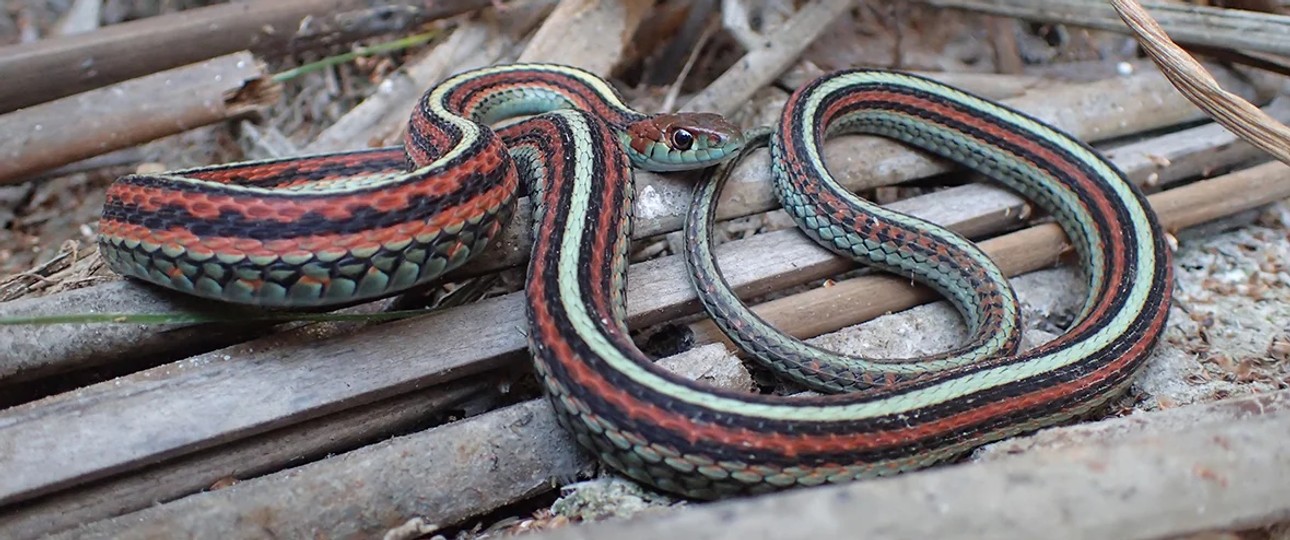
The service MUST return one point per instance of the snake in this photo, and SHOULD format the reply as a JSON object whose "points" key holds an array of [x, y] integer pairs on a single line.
{"points": [[337, 228]]}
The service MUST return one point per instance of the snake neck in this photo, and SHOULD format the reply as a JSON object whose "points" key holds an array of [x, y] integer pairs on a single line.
{"points": [[658, 142], [456, 110]]}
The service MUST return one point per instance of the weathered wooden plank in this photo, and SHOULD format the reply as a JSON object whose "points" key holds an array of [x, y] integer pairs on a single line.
{"points": [[40, 137], [29, 352], [337, 492], [248, 458], [1206, 476], [250, 388]]}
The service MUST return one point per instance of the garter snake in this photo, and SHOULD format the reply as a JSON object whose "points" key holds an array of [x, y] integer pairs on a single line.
{"points": [[338, 228]]}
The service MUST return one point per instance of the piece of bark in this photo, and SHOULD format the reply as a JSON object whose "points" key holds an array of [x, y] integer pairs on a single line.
{"points": [[139, 110], [443, 475], [59, 67]]}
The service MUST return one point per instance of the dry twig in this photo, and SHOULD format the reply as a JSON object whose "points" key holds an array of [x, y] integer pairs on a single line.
{"points": [[1228, 109], [136, 111], [54, 68]]}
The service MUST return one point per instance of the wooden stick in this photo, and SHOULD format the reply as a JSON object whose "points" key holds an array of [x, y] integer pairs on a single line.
{"points": [[244, 459], [440, 476], [1200, 25], [261, 386], [60, 132], [55, 68], [1202, 476]]}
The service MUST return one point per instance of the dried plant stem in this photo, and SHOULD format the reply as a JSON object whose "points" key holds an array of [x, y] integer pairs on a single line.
{"points": [[1230, 110]]}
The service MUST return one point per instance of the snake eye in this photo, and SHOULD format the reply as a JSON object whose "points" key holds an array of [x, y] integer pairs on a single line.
{"points": [[682, 140]]}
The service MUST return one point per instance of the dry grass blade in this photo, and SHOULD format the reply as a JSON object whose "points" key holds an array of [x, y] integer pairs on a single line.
{"points": [[1234, 113]]}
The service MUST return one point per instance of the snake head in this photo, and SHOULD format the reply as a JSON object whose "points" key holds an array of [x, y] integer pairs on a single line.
{"points": [[682, 141]]}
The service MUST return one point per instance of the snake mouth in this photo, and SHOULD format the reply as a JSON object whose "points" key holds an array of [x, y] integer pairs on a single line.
{"points": [[694, 160]]}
